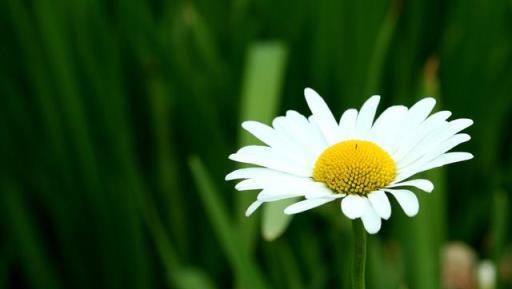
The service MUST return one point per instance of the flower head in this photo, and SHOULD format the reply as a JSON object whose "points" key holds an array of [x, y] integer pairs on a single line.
{"points": [[359, 159]]}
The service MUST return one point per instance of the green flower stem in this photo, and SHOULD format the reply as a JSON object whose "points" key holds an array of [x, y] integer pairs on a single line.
{"points": [[359, 260]]}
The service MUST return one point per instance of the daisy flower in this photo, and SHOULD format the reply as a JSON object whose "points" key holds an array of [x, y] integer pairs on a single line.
{"points": [[360, 160]]}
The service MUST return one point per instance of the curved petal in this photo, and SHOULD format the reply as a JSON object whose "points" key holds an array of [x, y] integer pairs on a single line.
{"points": [[266, 157], [380, 204], [249, 184], [306, 205], [306, 134], [347, 123], [270, 195], [442, 148], [419, 112], [253, 207], [431, 124], [371, 221], [409, 122], [433, 140], [320, 139], [422, 184], [320, 190], [366, 115], [387, 126], [354, 206], [407, 200], [448, 158], [289, 146], [323, 115], [262, 132], [248, 173]]}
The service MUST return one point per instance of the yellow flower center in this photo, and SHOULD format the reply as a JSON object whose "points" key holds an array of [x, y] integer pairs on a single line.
{"points": [[355, 167]]}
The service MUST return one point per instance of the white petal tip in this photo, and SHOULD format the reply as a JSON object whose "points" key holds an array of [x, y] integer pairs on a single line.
{"points": [[229, 177], [247, 123], [293, 209], [372, 224], [308, 90], [354, 206], [430, 100], [252, 208], [464, 156], [309, 93], [372, 231], [411, 214], [289, 212], [412, 211], [375, 97]]}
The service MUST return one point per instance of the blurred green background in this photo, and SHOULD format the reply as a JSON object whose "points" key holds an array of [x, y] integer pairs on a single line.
{"points": [[117, 117]]}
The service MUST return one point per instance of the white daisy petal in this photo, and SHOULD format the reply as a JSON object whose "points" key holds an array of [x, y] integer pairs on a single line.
{"points": [[302, 131], [387, 126], [291, 147], [448, 158], [419, 111], [422, 184], [320, 190], [443, 148], [264, 156], [302, 187], [281, 140], [432, 123], [266, 196], [304, 139], [323, 115], [320, 140], [354, 206], [380, 204], [407, 200], [261, 131], [451, 143], [253, 207], [306, 205], [371, 221], [247, 173], [433, 140], [250, 184], [366, 115], [409, 123], [347, 124], [388, 119]]}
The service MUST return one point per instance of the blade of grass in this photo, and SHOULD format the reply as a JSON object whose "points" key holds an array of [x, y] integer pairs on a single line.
{"points": [[261, 90], [499, 227], [161, 105], [244, 269], [382, 45], [424, 235], [383, 272], [178, 275], [274, 221], [35, 260]]}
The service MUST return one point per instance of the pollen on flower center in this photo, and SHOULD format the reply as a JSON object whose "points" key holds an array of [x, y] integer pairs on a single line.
{"points": [[355, 167]]}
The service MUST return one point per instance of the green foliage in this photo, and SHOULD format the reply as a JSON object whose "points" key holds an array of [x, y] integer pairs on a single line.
{"points": [[117, 118]]}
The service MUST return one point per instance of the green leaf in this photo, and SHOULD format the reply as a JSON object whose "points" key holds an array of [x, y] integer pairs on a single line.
{"points": [[245, 270], [261, 91], [275, 221]]}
